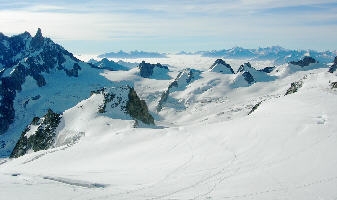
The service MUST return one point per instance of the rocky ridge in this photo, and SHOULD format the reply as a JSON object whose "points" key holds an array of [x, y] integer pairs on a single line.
{"points": [[24, 56]]}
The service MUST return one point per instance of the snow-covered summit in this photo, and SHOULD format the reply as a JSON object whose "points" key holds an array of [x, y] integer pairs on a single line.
{"points": [[220, 66], [183, 79], [108, 65], [258, 75]]}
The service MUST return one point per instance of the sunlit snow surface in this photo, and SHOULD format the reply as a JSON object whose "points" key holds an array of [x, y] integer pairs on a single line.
{"points": [[205, 146]]}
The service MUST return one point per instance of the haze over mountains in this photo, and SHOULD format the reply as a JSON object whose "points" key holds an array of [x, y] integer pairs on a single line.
{"points": [[265, 128]]}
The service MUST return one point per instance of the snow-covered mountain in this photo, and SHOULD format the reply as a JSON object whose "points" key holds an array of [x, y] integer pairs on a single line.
{"points": [[39, 75], [227, 131], [108, 65], [133, 54], [278, 54], [114, 105], [221, 66], [155, 71]]}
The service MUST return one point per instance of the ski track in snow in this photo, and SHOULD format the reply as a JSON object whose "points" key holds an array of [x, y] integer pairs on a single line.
{"points": [[76, 182]]}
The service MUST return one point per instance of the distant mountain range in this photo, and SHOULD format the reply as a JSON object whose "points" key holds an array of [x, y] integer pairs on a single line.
{"points": [[279, 54], [133, 54]]}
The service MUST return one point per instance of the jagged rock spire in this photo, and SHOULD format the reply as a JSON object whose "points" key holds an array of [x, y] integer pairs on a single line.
{"points": [[38, 40], [38, 33]]}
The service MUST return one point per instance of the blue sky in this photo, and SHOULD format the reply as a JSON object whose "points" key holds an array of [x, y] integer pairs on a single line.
{"points": [[90, 27]]}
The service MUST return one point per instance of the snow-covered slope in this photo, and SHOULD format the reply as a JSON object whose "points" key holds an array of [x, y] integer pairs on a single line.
{"points": [[285, 149], [255, 134], [116, 105], [307, 63], [183, 79]]}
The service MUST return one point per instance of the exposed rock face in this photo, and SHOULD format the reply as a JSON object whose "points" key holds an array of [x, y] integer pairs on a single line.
{"points": [[333, 67], [38, 40], [294, 87], [108, 65], [248, 77], [267, 69], [184, 78], [39, 135], [245, 72], [220, 66], [146, 69], [23, 56], [137, 108], [124, 100], [255, 107], [306, 61], [333, 85]]}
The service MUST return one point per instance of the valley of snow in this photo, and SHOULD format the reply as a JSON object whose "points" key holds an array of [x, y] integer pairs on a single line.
{"points": [[204, 144]]}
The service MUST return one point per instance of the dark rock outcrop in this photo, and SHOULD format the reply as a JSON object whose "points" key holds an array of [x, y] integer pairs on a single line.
{"points": [[267, 69], [254, 107], [333, 67], [243, 67], [248, 77], [333, 85], [38, 40], [146, 69], [40, 138], [294, 87], [132, 105], [306, 61], [137, 108]]}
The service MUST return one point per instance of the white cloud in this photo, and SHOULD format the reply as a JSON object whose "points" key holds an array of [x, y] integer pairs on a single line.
{"points": [[239, 21]]}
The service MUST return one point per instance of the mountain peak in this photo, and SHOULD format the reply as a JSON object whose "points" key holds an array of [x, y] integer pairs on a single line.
{"points": [[221, 66], [38, 40], [38, 33], [147, 69]]}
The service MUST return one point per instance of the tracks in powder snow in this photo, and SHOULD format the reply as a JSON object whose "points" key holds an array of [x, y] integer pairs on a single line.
{"points": [[67, 181], [217, 177], [76, 182]]}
